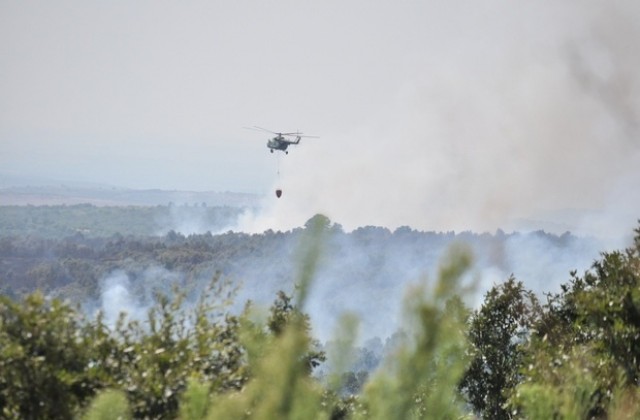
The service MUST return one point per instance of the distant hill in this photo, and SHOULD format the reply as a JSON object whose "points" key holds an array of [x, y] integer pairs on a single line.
{"points": [[60, 221], [113, 196]]}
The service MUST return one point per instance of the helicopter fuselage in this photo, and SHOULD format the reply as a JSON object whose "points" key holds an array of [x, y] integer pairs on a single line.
{"points": [[281, 143]]}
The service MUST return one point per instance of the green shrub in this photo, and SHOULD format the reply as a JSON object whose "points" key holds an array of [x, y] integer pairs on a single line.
{"points": [[44, 355], [109, 405]]}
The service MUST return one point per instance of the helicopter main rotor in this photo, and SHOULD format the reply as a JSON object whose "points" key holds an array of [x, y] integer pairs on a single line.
{"points": [[296, 133]]}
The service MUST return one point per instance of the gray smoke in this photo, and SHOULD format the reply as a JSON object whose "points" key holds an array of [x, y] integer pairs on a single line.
{"points": [[503, 115], [365, 273], [132, 292], [371, 281], [116, 298]]}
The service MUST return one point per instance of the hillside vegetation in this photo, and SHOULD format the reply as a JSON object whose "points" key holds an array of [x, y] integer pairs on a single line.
{"points": [[572, 353]]}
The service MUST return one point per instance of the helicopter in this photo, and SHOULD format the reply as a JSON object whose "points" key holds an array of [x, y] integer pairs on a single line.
{"points": [[282, 140]]}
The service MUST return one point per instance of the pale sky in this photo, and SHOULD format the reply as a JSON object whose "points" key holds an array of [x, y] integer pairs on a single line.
{"points": [[435, 114]]}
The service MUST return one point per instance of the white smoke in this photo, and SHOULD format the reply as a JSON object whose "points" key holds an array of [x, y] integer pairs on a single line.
{"points": [[116, 299], [507, 115], [371, 280], [132, 293]]}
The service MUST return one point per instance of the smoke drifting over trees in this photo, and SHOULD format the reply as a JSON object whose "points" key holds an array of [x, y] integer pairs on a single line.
{"points": [[503, 115], [365, 272]]}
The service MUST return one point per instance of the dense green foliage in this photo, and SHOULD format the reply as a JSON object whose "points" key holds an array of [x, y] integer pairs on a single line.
{"points": [[45, 368], [53, 359], [575, 356], [496, 332], [585, 353]]}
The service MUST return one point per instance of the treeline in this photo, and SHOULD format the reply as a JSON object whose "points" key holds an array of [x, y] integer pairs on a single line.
{"points": [[102, 221], [572, 355], [371, 257]]}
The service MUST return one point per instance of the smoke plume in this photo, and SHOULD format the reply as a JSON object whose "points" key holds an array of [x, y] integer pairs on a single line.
{"points": [[507, 116]]}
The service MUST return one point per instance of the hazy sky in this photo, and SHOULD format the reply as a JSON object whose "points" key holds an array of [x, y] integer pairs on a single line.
{"points": [[435, 114]]}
